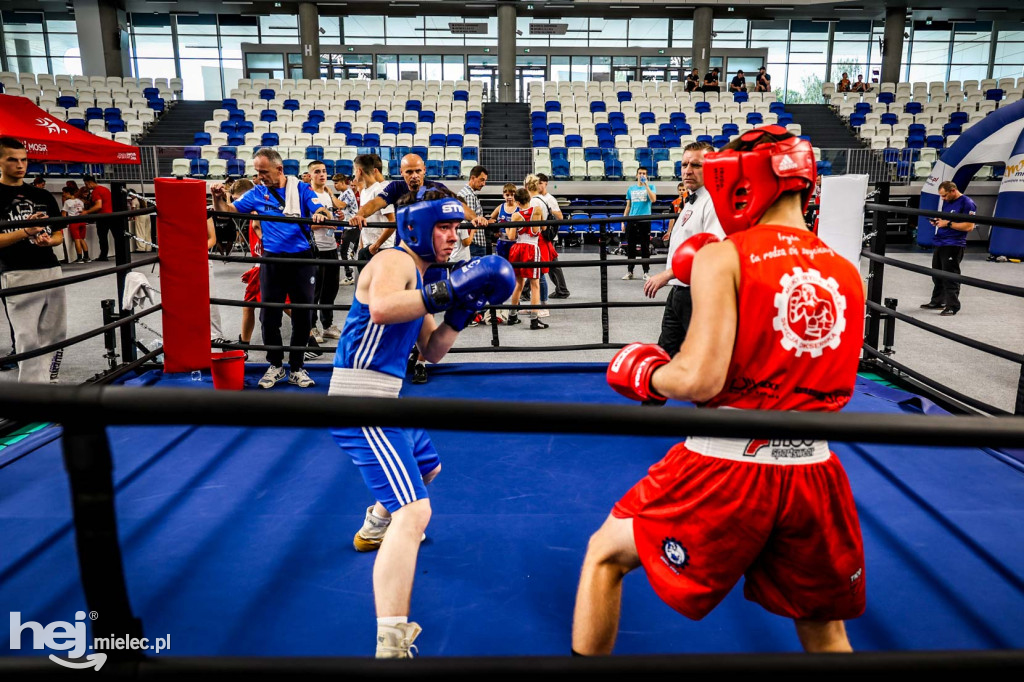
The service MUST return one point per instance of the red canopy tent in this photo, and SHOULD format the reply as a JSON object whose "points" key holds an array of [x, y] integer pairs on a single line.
{"points": [[49, 139]]}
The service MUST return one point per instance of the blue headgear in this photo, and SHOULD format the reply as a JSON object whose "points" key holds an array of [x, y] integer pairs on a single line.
{"points": [[415, 223]]}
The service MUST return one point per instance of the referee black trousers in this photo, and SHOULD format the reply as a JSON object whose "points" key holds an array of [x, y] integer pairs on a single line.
{"points": [[945, 291], [675, 321], [296, 281], [638, 236]]}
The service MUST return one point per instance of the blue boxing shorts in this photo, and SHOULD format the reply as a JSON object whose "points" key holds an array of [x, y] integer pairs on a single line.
{"points": [[392, 461]]}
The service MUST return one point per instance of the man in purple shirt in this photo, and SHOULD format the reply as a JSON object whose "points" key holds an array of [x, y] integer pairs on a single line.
{"points": [[950, 242]]}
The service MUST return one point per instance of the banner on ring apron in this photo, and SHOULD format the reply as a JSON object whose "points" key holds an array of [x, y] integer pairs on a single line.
{"points": [[184, 276]]}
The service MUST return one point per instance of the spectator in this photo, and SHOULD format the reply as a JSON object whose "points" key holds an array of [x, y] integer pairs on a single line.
{"points": [[281, 195], [525, 250], [250, 277], [26, 257], [468, 196], [698, 215], [639, 198], [844, 83], [503, 213], [561, 289], [102, 203], [372, 238], [72, 207], [547, 248], [711, 83], [141, 227], [677, 207], [738, 83], [764, 81], [225, 230], [347, 202], [860, 85], [950, 242], [693, 81], [39, 182], [306, 177], [325, 248]]}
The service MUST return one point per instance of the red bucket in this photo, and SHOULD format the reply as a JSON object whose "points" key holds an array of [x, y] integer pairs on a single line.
{"points": [[228, 370]]}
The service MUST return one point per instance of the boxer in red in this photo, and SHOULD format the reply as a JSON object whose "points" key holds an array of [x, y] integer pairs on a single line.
{"points": [[777, 325]]}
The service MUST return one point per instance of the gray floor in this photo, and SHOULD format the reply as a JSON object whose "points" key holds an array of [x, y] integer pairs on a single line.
{"points": [[994, 318]]}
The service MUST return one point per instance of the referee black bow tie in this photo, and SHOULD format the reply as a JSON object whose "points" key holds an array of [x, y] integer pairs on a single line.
{"points": [[692, 199]]}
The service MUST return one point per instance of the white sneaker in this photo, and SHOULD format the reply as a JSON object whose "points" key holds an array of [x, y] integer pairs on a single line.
{"points": [[646, 276], [347, 282], [317, 335], [628, 275], [396, 641], [300, 378], [544, 313], [272, 376], [332, 332], [369, 537]]}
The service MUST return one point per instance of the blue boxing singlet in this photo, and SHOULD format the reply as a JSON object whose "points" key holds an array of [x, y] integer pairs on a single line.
{"points": [[379, 347], [503, 215]]}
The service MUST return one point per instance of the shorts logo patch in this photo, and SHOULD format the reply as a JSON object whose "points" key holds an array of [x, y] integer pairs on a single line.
{"points": [[780, 448], [674, 555]]}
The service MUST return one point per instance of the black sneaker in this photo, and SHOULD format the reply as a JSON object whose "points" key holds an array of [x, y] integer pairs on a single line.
{"points": [[946, 312], [314, 350], [102, 258], [419, 373], [931, 306], [537, 324], [558, 295], [513, 319]]}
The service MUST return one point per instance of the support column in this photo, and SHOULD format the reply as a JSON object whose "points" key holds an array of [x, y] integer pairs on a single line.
{"points": [[892, 49], [507, 52], [106, 23], [309, 39], [703, 22]]}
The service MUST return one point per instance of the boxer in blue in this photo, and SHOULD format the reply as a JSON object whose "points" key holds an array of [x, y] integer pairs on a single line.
{"points": [[392, 309]]}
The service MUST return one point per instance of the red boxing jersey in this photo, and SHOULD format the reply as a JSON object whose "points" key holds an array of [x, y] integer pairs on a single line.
{"points": [[800, 325]]}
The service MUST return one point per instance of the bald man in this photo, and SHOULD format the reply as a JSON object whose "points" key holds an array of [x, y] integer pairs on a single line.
{"points": [[414, 174]]}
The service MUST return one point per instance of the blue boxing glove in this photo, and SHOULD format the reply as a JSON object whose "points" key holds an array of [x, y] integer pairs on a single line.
{"points": [[478, 283]]}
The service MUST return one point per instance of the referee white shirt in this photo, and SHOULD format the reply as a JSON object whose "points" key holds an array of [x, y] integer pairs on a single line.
{"points": [[693, 218]]}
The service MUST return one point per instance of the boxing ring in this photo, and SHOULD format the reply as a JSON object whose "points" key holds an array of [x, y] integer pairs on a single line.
{"points": [[223, 520]]}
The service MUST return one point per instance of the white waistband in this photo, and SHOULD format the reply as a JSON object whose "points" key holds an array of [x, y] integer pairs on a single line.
{"points": [[776, 451], [364, 383]]}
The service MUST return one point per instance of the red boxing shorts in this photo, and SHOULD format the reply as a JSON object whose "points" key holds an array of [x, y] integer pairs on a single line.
{"points": [[77, 230], [251, 277], [525, 253], [780, 513]]}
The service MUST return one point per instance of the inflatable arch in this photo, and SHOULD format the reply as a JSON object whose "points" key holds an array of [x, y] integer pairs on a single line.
{"points": [[998, 138]]}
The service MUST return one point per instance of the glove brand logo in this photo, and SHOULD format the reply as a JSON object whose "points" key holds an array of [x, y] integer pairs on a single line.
{"points": [[810, 313], [621, 357], [674, 555]]}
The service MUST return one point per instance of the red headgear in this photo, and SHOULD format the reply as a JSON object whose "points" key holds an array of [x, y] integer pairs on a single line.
{"points": [[743, 184]]}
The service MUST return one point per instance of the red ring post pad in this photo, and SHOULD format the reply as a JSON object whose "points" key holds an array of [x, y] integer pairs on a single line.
{"points": [[184, 275]]}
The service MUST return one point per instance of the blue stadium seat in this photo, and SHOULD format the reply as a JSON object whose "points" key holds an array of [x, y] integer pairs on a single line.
{"points": [[435, 169], [614, 116], [157, 105], [951, 129], [407, 128], [705, 138], [236, 115], [785, 118], [776, 108], [394, 169], [560, 169], [666, 129], [730, 129], [316, 116], [353, 105], [917, 128], [552, 105], [269, 140], [236, 168], [236, 139], [605, 140], [57, 169], [426, 117], [315, 152], [354, 139], [199, 168], [453, 140], [683, 129], [659, 154], [265, 93], [556, 129], [677, 169], [655, 141], [228, 126], [994, 95], [956, 117], [935, 141], [227, 153], [672, 140], [624, 96], [470, 154], [437, 140], [824, 168], [740, 97], [474, 115], [914, 108], [890, 155], [886, 97], [862, 108], [755, 118], [36, 168], [115, 126], [916, 140], [890, 119], [75, 169], [419, 151], [593, 154], [331, 167], [647, 117], [597, 105], [371, 140], [911, 155], [79, 123], [93, 113], [413, 105], [291, 167], [540, 140], [573, 140], [67, 101], [268, 115], [149, 93], [399, 152], [613, 169], [603, 128], [620, 128], [290, 105], [538, 128], [719, 141], [702, 107], [392, 128], [452, 170], [344, 166], [229, 103], [379, 116], [460, 96], [201, 139], [343, 127], [111, 113], [856, 120]]}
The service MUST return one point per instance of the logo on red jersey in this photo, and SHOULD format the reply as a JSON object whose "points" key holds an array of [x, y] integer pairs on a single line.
{"points": [[674, 554], [809, 312]]}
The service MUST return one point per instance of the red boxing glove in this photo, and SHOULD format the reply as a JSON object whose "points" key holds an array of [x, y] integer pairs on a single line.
{"points": [[682, 259], [630, 371]]}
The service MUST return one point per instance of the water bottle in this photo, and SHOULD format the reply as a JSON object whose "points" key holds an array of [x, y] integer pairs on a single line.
{"points": [[197, 375]]}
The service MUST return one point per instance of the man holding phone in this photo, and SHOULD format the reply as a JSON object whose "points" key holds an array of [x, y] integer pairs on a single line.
{"points": [[950, 242], [639, 198]]}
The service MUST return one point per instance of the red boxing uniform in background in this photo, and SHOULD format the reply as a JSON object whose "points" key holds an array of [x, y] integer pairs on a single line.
{"points": [[778, 322]]}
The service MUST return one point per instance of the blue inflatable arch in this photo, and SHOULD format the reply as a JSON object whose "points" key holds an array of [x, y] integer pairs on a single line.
{"points": [[998, 138]]}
